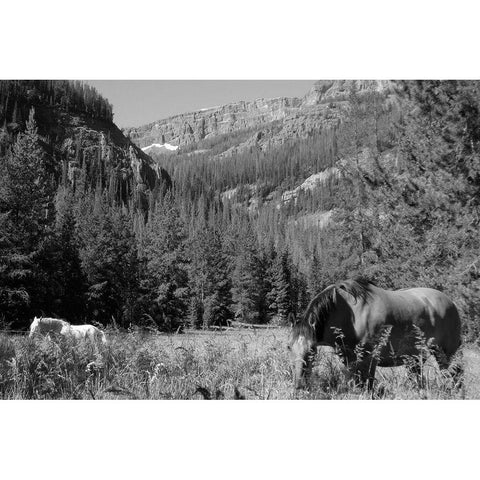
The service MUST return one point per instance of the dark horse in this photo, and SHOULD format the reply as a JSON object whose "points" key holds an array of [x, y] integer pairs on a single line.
{"points": [[354, 313]]}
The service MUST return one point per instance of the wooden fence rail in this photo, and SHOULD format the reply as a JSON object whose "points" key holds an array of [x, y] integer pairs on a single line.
{"points": [[15, 332]]}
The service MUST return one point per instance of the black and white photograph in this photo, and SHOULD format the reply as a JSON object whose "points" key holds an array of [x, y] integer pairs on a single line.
{"points": [[206, 202], [309, 246]]}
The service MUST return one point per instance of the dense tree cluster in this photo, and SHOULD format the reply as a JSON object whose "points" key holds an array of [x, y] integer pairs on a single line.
{"points": [[226, 242], [69, 199], [280, 168], [16, 97], [409, 215]]}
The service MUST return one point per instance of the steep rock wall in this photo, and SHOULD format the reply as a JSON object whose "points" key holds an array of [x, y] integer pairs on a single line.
{"points": [[321, 107]]}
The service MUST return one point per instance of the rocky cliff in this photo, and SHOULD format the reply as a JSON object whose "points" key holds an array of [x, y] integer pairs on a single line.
{"points": [[271, 121], [338, 90], [77, 132]]}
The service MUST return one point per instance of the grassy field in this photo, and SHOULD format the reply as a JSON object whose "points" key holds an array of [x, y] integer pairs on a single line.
{"points": [[218, 365]]}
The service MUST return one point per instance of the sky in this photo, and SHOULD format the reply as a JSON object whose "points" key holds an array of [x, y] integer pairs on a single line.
{"points": [[137, 102]]}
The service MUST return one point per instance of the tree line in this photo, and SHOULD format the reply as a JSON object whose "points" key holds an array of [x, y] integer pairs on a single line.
{"points": [[403, 211], [74, 96], [72, 247]]}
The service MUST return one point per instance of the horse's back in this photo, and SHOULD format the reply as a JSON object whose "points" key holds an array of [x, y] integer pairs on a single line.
{"points": [[47, 325], [427, 309], [91, 333], [439, 300], [439, 319]]}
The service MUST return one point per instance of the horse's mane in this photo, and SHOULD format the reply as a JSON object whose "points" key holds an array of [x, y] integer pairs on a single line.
{"points": [[52, 321], [318, 309], [321, 305], [358, 287]]}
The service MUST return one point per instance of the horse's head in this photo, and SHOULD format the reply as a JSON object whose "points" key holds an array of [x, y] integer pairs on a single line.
{"points": [[307, 332], [302, 344], [34, 326]]}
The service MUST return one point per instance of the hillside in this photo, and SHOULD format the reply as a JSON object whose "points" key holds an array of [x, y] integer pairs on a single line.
{"points": [[343, 181], [271, 151], [74, 192], [76, 130], [271, 201], [266, 122]]}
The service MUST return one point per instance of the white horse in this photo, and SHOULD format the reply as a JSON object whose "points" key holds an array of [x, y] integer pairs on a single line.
{"points": [[44, 326], [88, 332]]}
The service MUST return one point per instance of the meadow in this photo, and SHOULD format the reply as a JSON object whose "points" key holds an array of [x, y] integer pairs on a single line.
{"points": [[235, 364]]}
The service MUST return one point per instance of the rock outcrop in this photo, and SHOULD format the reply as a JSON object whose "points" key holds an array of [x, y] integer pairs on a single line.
{"points": [[272, 120], [187, 128], [85, 147], [338, 90]]}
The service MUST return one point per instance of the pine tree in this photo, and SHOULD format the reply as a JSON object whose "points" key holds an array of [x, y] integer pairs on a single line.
{"points": [[109, 261], [315, 280], [209, 275], [248, 286], [165, 268], [27, 188], [15, 277], [69, 274], [26, 195], [281, 295]]}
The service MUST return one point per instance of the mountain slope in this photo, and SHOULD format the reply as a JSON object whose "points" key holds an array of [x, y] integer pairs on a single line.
{"points": [[270, 122], [75, 195], [77, 132]]}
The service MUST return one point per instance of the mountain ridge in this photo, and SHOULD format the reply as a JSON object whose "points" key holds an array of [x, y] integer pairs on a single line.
{"points": [[323, 105], [78, 133]]}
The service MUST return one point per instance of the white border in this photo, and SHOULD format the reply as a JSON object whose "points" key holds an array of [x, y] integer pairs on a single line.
{"points": [[238, 440], [239, 40], [216, 39]]}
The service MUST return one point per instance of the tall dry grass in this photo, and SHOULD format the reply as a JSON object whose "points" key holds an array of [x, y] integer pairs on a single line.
{"points": [[213, 365]]}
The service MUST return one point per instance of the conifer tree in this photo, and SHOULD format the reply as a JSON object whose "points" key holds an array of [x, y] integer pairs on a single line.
{"points": [[248, 280], [27, 187], [68, 274], [209, 276], [109, 261], [281, 294], [26, 194], [165, 268], [315, 284]]}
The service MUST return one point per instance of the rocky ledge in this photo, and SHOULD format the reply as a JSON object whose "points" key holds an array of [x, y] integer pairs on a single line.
{"points": [[297, 117]]}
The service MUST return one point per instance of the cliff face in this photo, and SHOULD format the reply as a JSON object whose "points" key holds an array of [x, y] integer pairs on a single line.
{"points": [[338, 90], [187, 128], [272, 120], [87, 149], [122, 162]]}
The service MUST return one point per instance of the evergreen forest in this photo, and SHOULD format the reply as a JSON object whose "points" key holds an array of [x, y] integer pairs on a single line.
{"points": [[94, 230]]}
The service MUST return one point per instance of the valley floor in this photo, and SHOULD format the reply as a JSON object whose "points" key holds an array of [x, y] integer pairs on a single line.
{"points": [[237, 364]]}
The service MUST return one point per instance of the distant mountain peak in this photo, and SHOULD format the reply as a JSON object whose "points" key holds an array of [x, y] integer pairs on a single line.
{"points": [[270, 121], [331, 90]]}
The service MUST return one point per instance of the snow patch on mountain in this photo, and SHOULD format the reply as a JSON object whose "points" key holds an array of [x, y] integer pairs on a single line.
{"points": [[162, 146]]}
